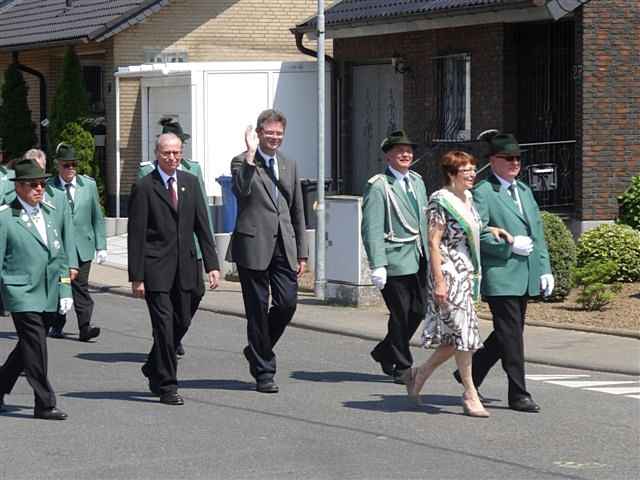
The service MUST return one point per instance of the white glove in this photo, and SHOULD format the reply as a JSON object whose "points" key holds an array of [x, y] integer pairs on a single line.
{"points": [[65, 305], [101, 256], [522, 245], [546, 284], [379, 277]]}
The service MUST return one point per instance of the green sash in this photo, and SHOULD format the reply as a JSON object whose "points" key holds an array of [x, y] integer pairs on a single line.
{"points": [[454, 206]]}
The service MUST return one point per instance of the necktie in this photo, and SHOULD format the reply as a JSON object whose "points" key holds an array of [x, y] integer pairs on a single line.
{"points": [[272, 173], [38, 221], [410, 195], [514, 196], [173, 196], [67, 187]]}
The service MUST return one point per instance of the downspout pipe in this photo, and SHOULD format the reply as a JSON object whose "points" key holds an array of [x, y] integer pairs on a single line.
{"points": [[43, 99], [334, 104]]}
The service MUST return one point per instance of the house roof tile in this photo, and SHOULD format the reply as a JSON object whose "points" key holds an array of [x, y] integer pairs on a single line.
{"points": [[33, 22], [352, 12]]}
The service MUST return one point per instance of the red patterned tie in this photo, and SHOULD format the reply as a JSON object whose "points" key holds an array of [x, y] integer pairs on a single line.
{"points": [[173, 196]]}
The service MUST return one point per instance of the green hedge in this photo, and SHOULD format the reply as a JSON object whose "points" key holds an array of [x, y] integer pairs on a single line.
{"points": [[629, 203], [562, 255], [616, 242]]}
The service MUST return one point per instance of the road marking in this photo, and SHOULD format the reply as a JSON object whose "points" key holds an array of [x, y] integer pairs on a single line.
{"points": [[555, 377], [631, 390], [590, 383], [616, 390]]}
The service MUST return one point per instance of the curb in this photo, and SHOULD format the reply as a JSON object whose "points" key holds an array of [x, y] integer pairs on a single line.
{"points": [[118, 290]]}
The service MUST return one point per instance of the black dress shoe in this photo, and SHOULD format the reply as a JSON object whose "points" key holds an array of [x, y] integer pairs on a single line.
{"points": [[180, 351], [154, 386], [524, 404], [267, 386], [456, 375], [387, 367], [56, 332], [87, 333], [171, 398], [49, 414]]}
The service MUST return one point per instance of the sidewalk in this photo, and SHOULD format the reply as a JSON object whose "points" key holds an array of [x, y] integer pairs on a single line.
{"points": [[549, 346]]}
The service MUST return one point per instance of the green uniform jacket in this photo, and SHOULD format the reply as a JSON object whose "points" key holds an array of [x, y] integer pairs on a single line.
{"points": [[503, 272], [383, 230], [194, 169], [89, 232], [62, 210], [34, 274], [7, 187]]}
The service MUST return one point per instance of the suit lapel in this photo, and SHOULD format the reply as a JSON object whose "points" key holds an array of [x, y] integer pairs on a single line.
{"points": [[183, 192], [161, 190], [25, 221], [505, 198], [396, 187], [264, 176]]}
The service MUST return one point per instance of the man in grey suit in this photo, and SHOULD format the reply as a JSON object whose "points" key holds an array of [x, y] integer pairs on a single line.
{"points": [[268, 244]]}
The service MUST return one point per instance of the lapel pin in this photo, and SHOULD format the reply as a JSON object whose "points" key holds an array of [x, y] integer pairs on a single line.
{"points": [[56, 244], [24, 217], [182, 189]]}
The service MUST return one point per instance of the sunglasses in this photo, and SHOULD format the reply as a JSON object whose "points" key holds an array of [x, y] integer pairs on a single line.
{"points": [[35, 185], [509, 158], [67, 165]]}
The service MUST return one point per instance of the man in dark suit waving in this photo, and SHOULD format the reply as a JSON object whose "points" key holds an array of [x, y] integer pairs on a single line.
{"points": [[166, 208], [268, 244]]}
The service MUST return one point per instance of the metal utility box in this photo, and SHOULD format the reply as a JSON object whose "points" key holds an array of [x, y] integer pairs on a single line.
{"points": [[347, 270]]}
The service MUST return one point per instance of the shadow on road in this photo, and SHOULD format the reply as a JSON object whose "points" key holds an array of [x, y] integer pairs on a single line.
{"points": [[9, 335], [216, 384], [400, 403], [339, 377], [129, 396], [114, 357]]}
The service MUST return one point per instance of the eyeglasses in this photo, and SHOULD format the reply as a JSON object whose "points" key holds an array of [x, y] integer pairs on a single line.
{"points": [[167, 154], [509, 158], [467, 171], [68, 165], [35, 185]]}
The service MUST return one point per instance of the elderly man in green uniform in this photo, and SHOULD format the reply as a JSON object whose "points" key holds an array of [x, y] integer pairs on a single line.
{"points": [[394, 232], [511, 273], [80, 192], [171, 126], [35, 281], [7, 194]]}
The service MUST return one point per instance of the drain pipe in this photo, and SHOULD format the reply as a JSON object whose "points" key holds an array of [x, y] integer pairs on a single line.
{"points": [[43, 99]]}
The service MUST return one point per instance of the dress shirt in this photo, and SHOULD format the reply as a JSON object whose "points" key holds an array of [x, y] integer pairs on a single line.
{"points": [[401, 177], [74, 186], [505, 184], [165, 179], [267, 162], [37, 217]]}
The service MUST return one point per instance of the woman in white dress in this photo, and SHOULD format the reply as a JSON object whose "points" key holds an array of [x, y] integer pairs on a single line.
{"points": [[451, 322]]}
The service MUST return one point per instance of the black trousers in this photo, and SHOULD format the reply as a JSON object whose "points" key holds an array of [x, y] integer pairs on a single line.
{"points": [[405, 297], [266, 325], [82, 301], [196, 298], [505, 343], [170, 314], [29, 356]]}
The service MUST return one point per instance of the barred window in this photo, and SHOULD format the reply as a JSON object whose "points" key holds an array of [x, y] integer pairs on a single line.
{"points": [[452, 91]]}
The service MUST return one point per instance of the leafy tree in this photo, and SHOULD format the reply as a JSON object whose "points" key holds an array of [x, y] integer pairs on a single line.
{"points": [[70, 103], [629, 203], [17, 130], [597, 287]]}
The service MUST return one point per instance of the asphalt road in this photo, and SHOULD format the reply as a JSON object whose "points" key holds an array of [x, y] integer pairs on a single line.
{"points": [[336, 416]]}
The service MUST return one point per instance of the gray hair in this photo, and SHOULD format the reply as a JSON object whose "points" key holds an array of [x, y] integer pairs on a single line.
{"points": [[271, 115], [166, 136], [37, 155]]}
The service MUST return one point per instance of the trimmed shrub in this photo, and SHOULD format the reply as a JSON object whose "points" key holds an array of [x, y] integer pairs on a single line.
{"points": [[629, 203], [595, 278], [615, 242], [562, 255]]}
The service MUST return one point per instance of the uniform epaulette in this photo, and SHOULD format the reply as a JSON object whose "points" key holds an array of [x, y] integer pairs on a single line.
{"points": [[375, 178], [87, 177], [49, 205], [3, 208], [144, 164], [415, 174]]}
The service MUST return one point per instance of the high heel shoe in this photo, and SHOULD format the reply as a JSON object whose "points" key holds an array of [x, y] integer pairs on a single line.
{"points": [[471, 412], [409, 377]]}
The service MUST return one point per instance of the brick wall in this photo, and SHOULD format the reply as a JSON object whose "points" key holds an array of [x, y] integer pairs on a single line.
{"points": [[608, 112], [485, 44]]}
